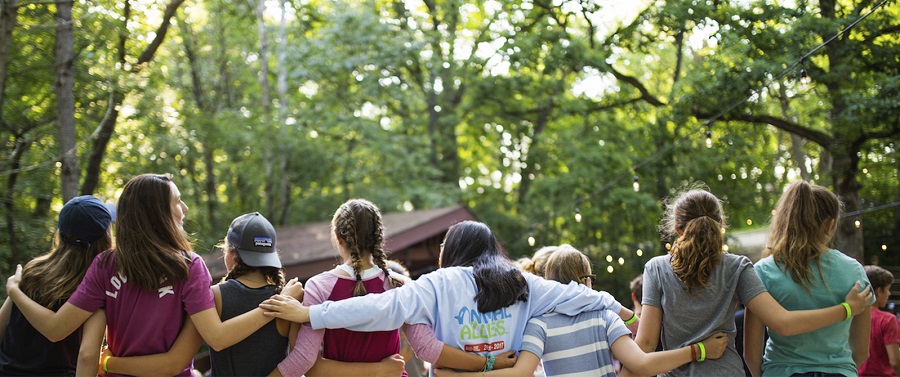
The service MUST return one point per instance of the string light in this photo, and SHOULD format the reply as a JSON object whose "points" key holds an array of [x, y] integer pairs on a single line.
{"points": [[621, 261], [708, 139], [636, 184], [725, 248], [857, 223], [668, 246], [577, 215], [639, 252], [804, 77], [609, 269], [883, 247], [609, 258], [749, 222], [531, 239]]}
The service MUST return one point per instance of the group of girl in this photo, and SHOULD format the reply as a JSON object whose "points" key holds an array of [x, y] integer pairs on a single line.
{"points": [[152, 295]]}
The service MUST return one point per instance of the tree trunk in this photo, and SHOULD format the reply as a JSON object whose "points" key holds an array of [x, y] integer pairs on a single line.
{"points": [[65, 103], [539, 126], [8, 14], [285, 186], [98, 150], [15, 160]]}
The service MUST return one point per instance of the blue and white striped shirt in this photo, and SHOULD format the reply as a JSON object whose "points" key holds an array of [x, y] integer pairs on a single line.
{"points": [[575, 345]]}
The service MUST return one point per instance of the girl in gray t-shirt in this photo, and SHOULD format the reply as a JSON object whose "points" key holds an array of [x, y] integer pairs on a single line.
{"points": [[693, 291]]}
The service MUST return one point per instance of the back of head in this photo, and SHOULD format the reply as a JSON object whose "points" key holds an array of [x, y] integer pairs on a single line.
{"points": [[698, 216], [536, 263], [149, 241], [567, 264], [253, 238], [83, 233], [799, 230], [879, 277], [358, 224], [637, 288], [499, 282]]}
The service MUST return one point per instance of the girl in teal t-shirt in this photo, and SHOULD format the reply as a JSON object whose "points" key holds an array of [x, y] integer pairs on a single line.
{"points": [[802, 272]]}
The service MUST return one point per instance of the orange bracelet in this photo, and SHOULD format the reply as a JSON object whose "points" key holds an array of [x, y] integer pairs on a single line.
{"points": [[693, 352]]}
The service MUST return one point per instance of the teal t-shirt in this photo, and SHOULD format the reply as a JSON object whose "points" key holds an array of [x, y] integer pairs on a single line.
{"points": [[824, 350]]}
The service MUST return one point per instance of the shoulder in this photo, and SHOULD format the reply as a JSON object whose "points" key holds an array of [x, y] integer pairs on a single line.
{"points": [[839, 257], [738, 261]]}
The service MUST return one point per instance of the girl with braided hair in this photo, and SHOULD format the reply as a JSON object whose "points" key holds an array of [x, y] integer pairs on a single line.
{"points": [[693, 292], [358, 235]]}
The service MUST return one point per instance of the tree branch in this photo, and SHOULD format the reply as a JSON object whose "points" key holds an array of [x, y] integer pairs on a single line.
{"points": [[148, 53], [818, 137], [645, 94], [887, 30]]}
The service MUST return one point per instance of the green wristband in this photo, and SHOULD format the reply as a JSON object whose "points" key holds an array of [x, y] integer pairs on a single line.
{"points": [[106, 365], [702, 352], [631, 320], [849, 312]]}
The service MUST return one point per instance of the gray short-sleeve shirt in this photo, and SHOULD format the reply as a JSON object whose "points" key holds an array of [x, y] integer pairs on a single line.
{"points": [[688, 318]]}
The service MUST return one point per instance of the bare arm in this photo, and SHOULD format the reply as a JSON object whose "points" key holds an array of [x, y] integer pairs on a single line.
{"points": [[794, 322], [524, 367], [220, 335], [55, 326], [754, 333], [653, 363], [859, 336], [893, 353], [5, 312], [170, 363], [91, 342], [650, 325]]}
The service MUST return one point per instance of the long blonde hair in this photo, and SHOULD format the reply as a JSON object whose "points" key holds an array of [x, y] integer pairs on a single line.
{"points": [[699, 216], [798, 233]]}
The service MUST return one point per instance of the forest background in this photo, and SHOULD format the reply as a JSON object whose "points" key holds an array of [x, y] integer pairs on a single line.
{"points": [[529, 112]]}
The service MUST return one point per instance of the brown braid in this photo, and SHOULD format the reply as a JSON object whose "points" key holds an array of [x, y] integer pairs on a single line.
{"points": [[344, 227]]}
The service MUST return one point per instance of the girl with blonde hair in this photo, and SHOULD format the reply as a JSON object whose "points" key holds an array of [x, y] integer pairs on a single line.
{"points": [[803, 272], [694, 290]]}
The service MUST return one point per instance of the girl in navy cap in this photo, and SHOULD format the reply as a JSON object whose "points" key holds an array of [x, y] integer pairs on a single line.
{"points": [[83, 233]]}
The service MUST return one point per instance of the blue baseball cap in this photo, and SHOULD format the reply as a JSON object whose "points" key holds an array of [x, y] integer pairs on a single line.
{"points": [[83, 220]]}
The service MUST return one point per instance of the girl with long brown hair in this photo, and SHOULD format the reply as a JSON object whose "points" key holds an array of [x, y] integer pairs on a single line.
{"points": [[146, 283], [803, 272], [49, 280], [693, 291]]}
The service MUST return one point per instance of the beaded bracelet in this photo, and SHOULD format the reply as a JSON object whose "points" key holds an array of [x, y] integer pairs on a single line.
{"points": [[489, 363]]}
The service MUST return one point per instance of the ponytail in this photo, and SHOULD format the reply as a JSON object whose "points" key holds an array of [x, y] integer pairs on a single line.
{"points": [[797, 235], [698, 215]]}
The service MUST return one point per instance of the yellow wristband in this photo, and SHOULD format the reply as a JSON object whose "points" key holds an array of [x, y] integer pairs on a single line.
{"points": [[631, 320], [702, 352], [849, 312], [105, 364]]}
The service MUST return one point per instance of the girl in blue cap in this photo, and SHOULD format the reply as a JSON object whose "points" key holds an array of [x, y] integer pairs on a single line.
{"points": [[83, 232]]}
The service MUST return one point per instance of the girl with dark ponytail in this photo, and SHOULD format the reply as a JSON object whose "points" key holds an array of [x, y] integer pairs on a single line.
{"points": [[358, 235], [803, 272], [693, 292]]}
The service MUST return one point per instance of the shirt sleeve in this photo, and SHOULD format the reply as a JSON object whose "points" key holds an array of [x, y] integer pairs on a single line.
{"points": [[651, 292], [412, 303], [309, 341], [91, 292], [534, 337], [615, 327], [197, 295], [749, 283], [891, 330], [422, 339], [571, 299]]}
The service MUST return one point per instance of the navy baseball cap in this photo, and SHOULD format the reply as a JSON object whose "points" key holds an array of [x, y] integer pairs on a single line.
{"points": [[254, 238], [83, 220]]}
